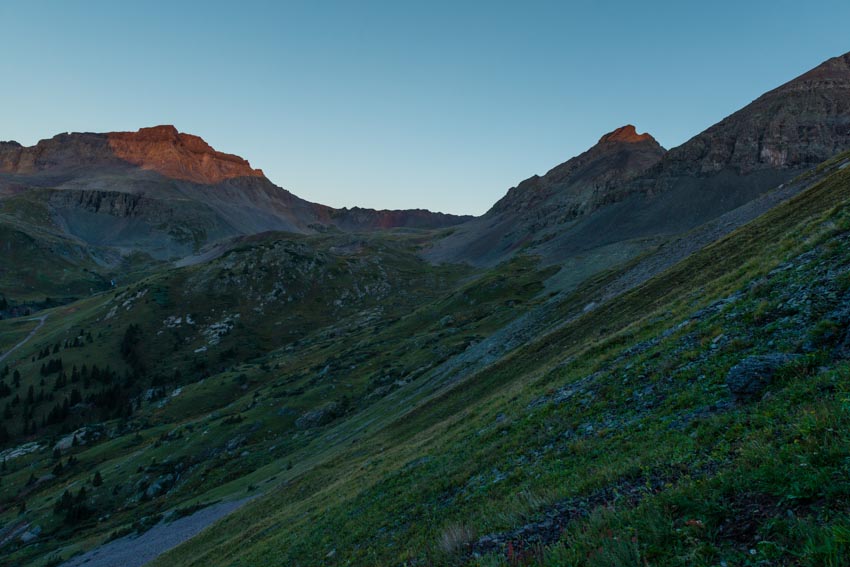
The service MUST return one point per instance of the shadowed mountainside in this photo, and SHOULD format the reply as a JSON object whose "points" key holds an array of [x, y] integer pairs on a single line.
{"points": [[571, 214]]}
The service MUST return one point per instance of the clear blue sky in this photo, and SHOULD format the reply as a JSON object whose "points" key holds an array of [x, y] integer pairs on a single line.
{"points": [[441, 105]]}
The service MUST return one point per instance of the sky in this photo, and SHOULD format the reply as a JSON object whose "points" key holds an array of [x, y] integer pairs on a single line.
{"points": [[401, 104]]}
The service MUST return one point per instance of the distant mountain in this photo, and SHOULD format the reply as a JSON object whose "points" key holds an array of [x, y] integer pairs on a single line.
{"points": [[593, 213], [169, 194], [161, 149]]}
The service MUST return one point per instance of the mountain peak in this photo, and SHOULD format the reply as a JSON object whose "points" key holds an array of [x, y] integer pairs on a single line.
{"points": [[161, 132], [162, 149], [583, 180], [181, 156], [833, 69], [626, 134]]}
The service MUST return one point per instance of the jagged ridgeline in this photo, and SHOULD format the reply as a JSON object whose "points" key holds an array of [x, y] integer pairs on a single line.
{"points": [[641, 357]]}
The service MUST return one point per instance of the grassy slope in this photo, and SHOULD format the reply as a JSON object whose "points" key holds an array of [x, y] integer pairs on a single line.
{"points": [[647, 417], [14, 331], [328, 345], [38, 261], [414, 464]]}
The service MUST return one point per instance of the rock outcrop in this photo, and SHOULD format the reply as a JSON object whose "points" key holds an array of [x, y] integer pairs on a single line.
{"points": [[161, 149], [179, 156], [749, 378]]}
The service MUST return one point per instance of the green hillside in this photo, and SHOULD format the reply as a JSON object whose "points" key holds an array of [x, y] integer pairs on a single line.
{"points": [[378, 410], [613, 441], [273, 341]]}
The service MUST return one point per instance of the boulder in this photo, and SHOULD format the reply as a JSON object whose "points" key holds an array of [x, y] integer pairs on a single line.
{"points": [[30, 534], [748, 379], [318, 417], [160, 486]]}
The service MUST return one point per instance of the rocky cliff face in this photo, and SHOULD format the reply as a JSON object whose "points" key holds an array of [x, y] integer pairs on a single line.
{"points": [[796, 125], [161, 149], [178, 156], [62, 152]]}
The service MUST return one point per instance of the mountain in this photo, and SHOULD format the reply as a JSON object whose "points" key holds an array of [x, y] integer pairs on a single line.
{"points": [[314, 394], [569, 191], [775, 138], [161, 149], [169, 194], [795, 126], [581, 182], [643, 358]]}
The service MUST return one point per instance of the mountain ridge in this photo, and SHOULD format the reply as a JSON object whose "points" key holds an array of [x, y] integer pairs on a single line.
{"points": [[169, 194], [161, 148], [754, 150]]}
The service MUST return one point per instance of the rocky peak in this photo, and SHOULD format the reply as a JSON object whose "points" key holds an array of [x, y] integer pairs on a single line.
{"points": [[618, 155], [626, 134], [161, 149], [583, 180], [179, 156]]}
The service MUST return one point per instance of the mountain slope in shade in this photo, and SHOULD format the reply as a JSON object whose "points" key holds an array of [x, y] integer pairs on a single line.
{"points": [[796, 125], [568, 191], [758, 148], [169, 194]]}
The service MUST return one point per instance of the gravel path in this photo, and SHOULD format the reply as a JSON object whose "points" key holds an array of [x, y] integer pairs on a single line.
{"points": [[41, 321], [135, 551]]}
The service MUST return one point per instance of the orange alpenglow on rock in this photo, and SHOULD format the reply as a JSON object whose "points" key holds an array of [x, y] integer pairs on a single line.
{"points": [[180, 156], [626, 134]]}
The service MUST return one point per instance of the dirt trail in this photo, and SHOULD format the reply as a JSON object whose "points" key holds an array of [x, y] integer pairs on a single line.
{"points": [[135, 551], [41, 321]]}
